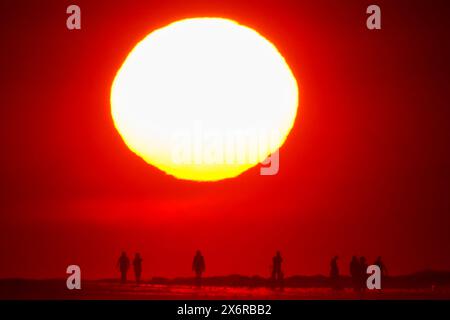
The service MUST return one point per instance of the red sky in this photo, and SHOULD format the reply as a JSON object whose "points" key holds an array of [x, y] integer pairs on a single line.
{"points": [[364, 171]]}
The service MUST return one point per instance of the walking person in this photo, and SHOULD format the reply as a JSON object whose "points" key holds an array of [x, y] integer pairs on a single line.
{"points": [[123, 264], [137, 266], [198, 266]]}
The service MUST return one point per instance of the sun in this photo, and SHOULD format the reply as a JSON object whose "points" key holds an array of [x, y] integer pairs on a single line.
{"points": [[204, 99]]}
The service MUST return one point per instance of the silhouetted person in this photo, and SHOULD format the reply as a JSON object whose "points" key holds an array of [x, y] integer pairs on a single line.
{"points": [[137, 266], [363, 273], [124, 265], [355, 273], [334, 273], [277, 273], [383, 269], [381, 265], [198, 266]]}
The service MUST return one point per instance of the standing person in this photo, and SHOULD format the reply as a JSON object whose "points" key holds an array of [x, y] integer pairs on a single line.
{"points": [[381, 265], [334, 273], [137, 266], [198, 266], [355, 272], [124, 264], [277, 273], [363, 273], [383, 269]]}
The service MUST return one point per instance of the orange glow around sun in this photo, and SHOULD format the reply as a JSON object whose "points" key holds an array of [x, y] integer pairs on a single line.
{"points": [[204, 99]]}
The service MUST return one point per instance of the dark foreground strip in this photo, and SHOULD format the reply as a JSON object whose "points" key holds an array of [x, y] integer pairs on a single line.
{"points": [[226, 309]]}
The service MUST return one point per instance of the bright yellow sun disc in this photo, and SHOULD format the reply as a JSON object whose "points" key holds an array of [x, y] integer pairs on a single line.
{"points": [[204, 99]]}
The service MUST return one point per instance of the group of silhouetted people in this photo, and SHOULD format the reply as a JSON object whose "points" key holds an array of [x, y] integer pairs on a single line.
{"points": [[358, 270], [124, 264]]}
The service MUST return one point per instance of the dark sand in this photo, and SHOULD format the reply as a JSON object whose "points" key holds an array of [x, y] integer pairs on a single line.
{"points": [[56, 289]]}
